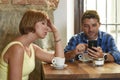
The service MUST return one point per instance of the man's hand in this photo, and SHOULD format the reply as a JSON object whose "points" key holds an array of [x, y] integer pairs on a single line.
{"points": [[96, 53], [80, 48]]}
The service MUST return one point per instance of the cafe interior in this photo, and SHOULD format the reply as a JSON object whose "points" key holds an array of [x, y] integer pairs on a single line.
{"points": [[66, 16]]}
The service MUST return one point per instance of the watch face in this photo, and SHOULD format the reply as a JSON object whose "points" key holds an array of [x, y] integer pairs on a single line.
{"points": [[78, 57]]}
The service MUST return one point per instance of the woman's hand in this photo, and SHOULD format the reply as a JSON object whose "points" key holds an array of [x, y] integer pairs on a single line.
{"points": [[59, 51], [51, 26], [54, 30]]}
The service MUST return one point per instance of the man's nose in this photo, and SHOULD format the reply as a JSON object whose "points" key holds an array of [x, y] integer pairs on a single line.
{"points": [[90, 28]]}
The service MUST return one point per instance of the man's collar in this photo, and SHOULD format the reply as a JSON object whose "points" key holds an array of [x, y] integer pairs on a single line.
{"points": [[99, 34]]}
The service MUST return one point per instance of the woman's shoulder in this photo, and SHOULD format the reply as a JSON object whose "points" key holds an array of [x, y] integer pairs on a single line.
{"points": [[13, 46], [12, 49], [14, 42]]}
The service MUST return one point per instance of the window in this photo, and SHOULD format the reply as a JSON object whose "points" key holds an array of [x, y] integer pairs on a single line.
{"points": [[109, 15]]}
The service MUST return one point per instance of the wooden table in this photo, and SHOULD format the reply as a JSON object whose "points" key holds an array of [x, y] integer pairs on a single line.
{"points": [[80, 71]]}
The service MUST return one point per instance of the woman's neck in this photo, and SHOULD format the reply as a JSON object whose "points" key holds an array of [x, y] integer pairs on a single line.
{"points": [[26, 39]]}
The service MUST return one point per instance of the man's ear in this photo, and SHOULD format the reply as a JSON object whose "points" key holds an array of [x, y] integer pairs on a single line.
{"points": [[81, 27], [99, 24]]}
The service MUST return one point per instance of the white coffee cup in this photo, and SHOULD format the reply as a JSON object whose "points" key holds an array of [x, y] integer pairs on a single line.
{"points": [[99, 62], [58, 61]]}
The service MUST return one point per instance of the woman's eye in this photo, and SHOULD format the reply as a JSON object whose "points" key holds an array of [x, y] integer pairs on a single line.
{"points": [[43, 23]]}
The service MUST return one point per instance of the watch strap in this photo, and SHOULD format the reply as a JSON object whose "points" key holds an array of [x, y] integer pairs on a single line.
{"points": [[105, 56]]}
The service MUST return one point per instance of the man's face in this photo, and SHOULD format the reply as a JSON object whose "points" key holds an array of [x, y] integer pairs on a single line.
{"points": [[90, 28]]}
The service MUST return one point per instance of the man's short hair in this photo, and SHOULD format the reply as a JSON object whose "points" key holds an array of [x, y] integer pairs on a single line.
{"points": [[90, 14]]}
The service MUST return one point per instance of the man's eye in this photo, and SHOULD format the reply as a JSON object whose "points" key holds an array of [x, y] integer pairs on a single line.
{"points": [[86, 26], [94, 25]]}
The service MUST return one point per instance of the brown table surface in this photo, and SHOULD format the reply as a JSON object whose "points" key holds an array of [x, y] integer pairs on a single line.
{"points": [[80, 70]]}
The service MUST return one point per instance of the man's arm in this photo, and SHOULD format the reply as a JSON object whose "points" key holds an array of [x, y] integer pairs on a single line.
{"points": [[108, 57], [80, 48], [114, 52], [109, 47], [70, 55]]}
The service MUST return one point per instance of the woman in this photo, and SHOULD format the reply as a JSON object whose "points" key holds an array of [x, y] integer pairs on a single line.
{"points": [[18, 58]]}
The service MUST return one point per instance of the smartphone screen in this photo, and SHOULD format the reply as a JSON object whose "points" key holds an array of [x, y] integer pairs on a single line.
{"points": [[92, 43]]}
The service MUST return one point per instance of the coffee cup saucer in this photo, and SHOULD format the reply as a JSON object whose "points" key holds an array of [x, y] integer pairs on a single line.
{"points": [[85, 60], [59, 67]]}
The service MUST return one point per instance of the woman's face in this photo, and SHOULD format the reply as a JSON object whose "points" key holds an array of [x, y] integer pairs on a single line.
{"points": [[41, 29]]}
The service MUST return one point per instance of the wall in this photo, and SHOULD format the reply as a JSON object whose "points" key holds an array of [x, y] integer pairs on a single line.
{"points": [[70, 19], [64, 19], [60, 20]]}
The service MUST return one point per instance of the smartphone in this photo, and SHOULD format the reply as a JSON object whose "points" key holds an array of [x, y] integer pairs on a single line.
{"points": [[92, 43]]}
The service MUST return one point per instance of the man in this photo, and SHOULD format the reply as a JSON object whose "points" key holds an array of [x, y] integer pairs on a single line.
{"points": [[79, 43]]}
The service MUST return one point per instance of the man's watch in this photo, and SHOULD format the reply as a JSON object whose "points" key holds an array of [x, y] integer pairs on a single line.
{"points": [[78, 57], [105, 56]]}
